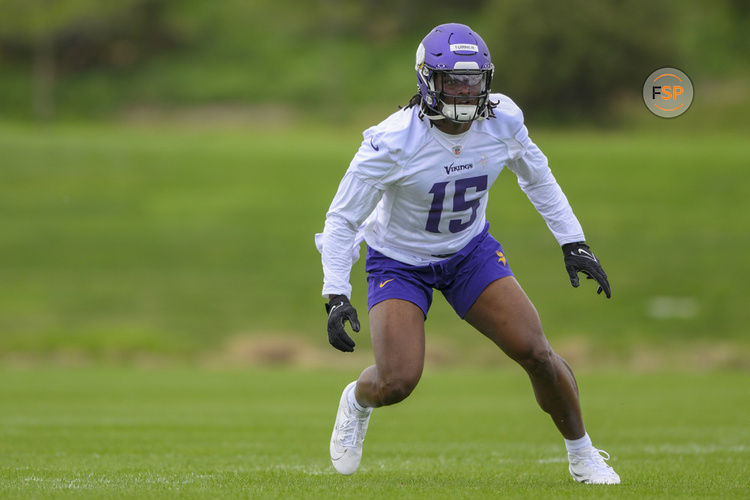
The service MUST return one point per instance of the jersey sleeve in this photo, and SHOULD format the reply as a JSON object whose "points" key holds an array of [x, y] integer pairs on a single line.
{"points": [[536, 180], [368, 176]]}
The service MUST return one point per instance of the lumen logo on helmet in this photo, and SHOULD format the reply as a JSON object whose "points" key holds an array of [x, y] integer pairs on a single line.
{"points": [[456, 47]]}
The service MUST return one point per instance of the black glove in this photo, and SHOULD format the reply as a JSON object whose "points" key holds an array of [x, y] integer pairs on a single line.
{"points": [[339, 310], [579, 257]]}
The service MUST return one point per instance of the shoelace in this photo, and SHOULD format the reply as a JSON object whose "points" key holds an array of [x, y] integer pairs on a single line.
{"points": [[351, 430], [595, 457]]}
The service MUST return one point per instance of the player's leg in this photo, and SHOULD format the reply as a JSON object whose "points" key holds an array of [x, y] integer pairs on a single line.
{"points": [[397, 333], [506, 316]]}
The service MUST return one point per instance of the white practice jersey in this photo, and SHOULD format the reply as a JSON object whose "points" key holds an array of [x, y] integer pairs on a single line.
{"points": [[417, 195]]}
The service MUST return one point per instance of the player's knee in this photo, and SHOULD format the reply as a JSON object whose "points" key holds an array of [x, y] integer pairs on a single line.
{"points": [[537, 360], [396, 389]]}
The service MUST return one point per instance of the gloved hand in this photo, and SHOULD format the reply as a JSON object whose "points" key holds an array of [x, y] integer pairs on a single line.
{"points": [[579, 257], [339, 310]]}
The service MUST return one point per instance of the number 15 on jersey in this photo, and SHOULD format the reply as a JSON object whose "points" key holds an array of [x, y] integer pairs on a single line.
{"points": [[460, 203]]}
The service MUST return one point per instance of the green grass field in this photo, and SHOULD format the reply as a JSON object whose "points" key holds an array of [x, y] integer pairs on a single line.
{"points": [[151, 274], [196, 433], [174, 240]]}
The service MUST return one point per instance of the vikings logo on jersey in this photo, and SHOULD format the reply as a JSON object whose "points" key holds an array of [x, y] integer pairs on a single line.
{"points": [[501, 257]]}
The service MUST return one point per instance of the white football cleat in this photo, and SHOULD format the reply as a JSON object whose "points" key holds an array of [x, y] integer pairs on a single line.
{"points": [[589, 466], [348, 434]]}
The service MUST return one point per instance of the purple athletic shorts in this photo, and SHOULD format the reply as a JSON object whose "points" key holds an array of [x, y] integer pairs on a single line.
{"points": [[462, 277]]}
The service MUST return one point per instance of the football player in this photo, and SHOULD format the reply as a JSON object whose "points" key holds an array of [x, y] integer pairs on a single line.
{"points": [[416, 193]]}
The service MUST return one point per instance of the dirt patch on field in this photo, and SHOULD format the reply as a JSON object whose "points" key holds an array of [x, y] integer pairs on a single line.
{"points": [[270, 115], [689, 356], [692, 357], [287, 349], [280, 349]]}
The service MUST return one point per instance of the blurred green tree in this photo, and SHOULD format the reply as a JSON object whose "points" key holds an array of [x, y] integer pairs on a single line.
{"points": [[574, 58], [42, 27]]}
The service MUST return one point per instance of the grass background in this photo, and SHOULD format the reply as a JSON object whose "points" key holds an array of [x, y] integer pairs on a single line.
{"points": [[119, 241], [103, 432], [152, 273]]}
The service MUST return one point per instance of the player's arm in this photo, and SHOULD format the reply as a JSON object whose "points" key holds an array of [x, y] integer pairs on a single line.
{"points": [[339, 246], [536, 180], [372, 170]]}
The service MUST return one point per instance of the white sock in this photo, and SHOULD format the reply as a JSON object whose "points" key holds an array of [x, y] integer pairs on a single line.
{"points": [[574, 445], [353, 400]]}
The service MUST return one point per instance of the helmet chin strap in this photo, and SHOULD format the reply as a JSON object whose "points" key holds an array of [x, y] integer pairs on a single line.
{"points": [[454, 112], [475, 115]]}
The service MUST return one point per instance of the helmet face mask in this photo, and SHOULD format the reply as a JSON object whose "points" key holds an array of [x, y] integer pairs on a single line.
{"points": [[461, 94], [454, 73]]}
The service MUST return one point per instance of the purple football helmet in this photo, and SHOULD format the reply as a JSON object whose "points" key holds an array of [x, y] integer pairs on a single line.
{"points": [[454, 72]]}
